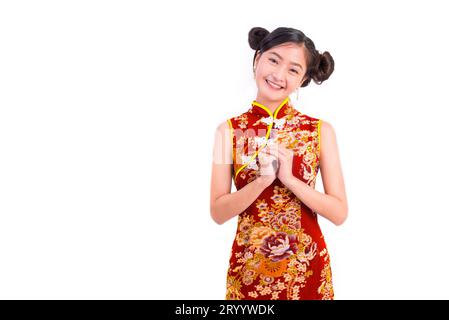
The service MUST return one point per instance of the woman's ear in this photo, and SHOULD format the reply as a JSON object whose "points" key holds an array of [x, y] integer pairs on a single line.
{"points": [[256, 60]]}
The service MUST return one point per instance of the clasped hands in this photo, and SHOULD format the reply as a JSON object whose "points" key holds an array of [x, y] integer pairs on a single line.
{"points": [[276, 161]]}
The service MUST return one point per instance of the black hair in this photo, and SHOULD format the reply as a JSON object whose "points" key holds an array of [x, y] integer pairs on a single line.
{"points": [[319, 65]]}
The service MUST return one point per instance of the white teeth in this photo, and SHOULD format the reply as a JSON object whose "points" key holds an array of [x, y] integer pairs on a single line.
{"points": [[273, 84]]}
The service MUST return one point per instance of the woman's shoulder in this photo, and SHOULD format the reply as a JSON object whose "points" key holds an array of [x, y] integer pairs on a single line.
{"points": [[326, 125], [224, 125], [326, 131]]}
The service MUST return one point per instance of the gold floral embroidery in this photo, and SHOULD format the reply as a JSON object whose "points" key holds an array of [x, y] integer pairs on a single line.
{"points": [[242, 121], [275, 247], [302, 141], [271, 268], [278, 252], [326, 288], [233, 289]]}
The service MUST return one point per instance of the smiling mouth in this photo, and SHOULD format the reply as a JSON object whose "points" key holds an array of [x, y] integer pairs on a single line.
{"points": [[273, 85]]}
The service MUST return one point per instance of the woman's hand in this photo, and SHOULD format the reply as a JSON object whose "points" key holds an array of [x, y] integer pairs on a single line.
{"points": [[267, 167], [285, 161]]}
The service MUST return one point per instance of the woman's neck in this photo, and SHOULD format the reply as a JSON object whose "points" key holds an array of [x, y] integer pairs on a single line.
{"points": [[270, 104]]}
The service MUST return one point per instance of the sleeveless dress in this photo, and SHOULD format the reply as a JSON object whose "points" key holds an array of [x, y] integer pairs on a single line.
{"points": [[279, 251]]}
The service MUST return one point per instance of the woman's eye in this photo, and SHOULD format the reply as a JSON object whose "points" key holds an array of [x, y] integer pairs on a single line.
{"points": [[273, 60]]}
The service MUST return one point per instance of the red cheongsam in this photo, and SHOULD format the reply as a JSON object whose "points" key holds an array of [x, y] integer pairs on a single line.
{"points": [[279, 251]]}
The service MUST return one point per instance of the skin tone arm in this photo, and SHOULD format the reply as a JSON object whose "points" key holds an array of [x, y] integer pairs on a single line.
{"points": [[224, 205], [333, 203]]}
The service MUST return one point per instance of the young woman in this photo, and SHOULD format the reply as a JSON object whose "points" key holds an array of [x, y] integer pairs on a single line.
{"points": [[273, 153]]}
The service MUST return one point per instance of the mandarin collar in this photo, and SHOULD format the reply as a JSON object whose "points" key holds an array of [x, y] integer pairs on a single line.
{"points": [[263, 111]]}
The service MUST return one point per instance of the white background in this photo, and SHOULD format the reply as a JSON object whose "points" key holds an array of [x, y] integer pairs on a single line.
{"points": [[107, 117]]}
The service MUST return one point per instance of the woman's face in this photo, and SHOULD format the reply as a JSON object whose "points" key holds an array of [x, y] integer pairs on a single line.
{"points": [[283, 65]]}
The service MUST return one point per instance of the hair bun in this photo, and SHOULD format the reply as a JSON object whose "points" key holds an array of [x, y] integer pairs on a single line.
{"points": [[255, 37], [325, 67]]}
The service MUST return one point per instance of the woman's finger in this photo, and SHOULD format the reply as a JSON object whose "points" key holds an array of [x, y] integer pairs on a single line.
{"points": [[285, 151], [268, 151], [267, 159], [273, 150], [264, 155]]}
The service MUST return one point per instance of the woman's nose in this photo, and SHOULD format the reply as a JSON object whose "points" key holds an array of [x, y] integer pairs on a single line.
{"points": [[279, 76]]}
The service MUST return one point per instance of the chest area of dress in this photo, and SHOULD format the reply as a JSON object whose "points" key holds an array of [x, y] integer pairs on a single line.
{"points": [[298, 133]]}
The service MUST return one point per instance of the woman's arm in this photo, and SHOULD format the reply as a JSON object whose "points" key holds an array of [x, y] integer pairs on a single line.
{"points": [[224, 205], [333, 204]]}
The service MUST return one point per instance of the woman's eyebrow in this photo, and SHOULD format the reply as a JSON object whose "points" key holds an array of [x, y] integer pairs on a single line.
{"points": [[294, 63]]}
